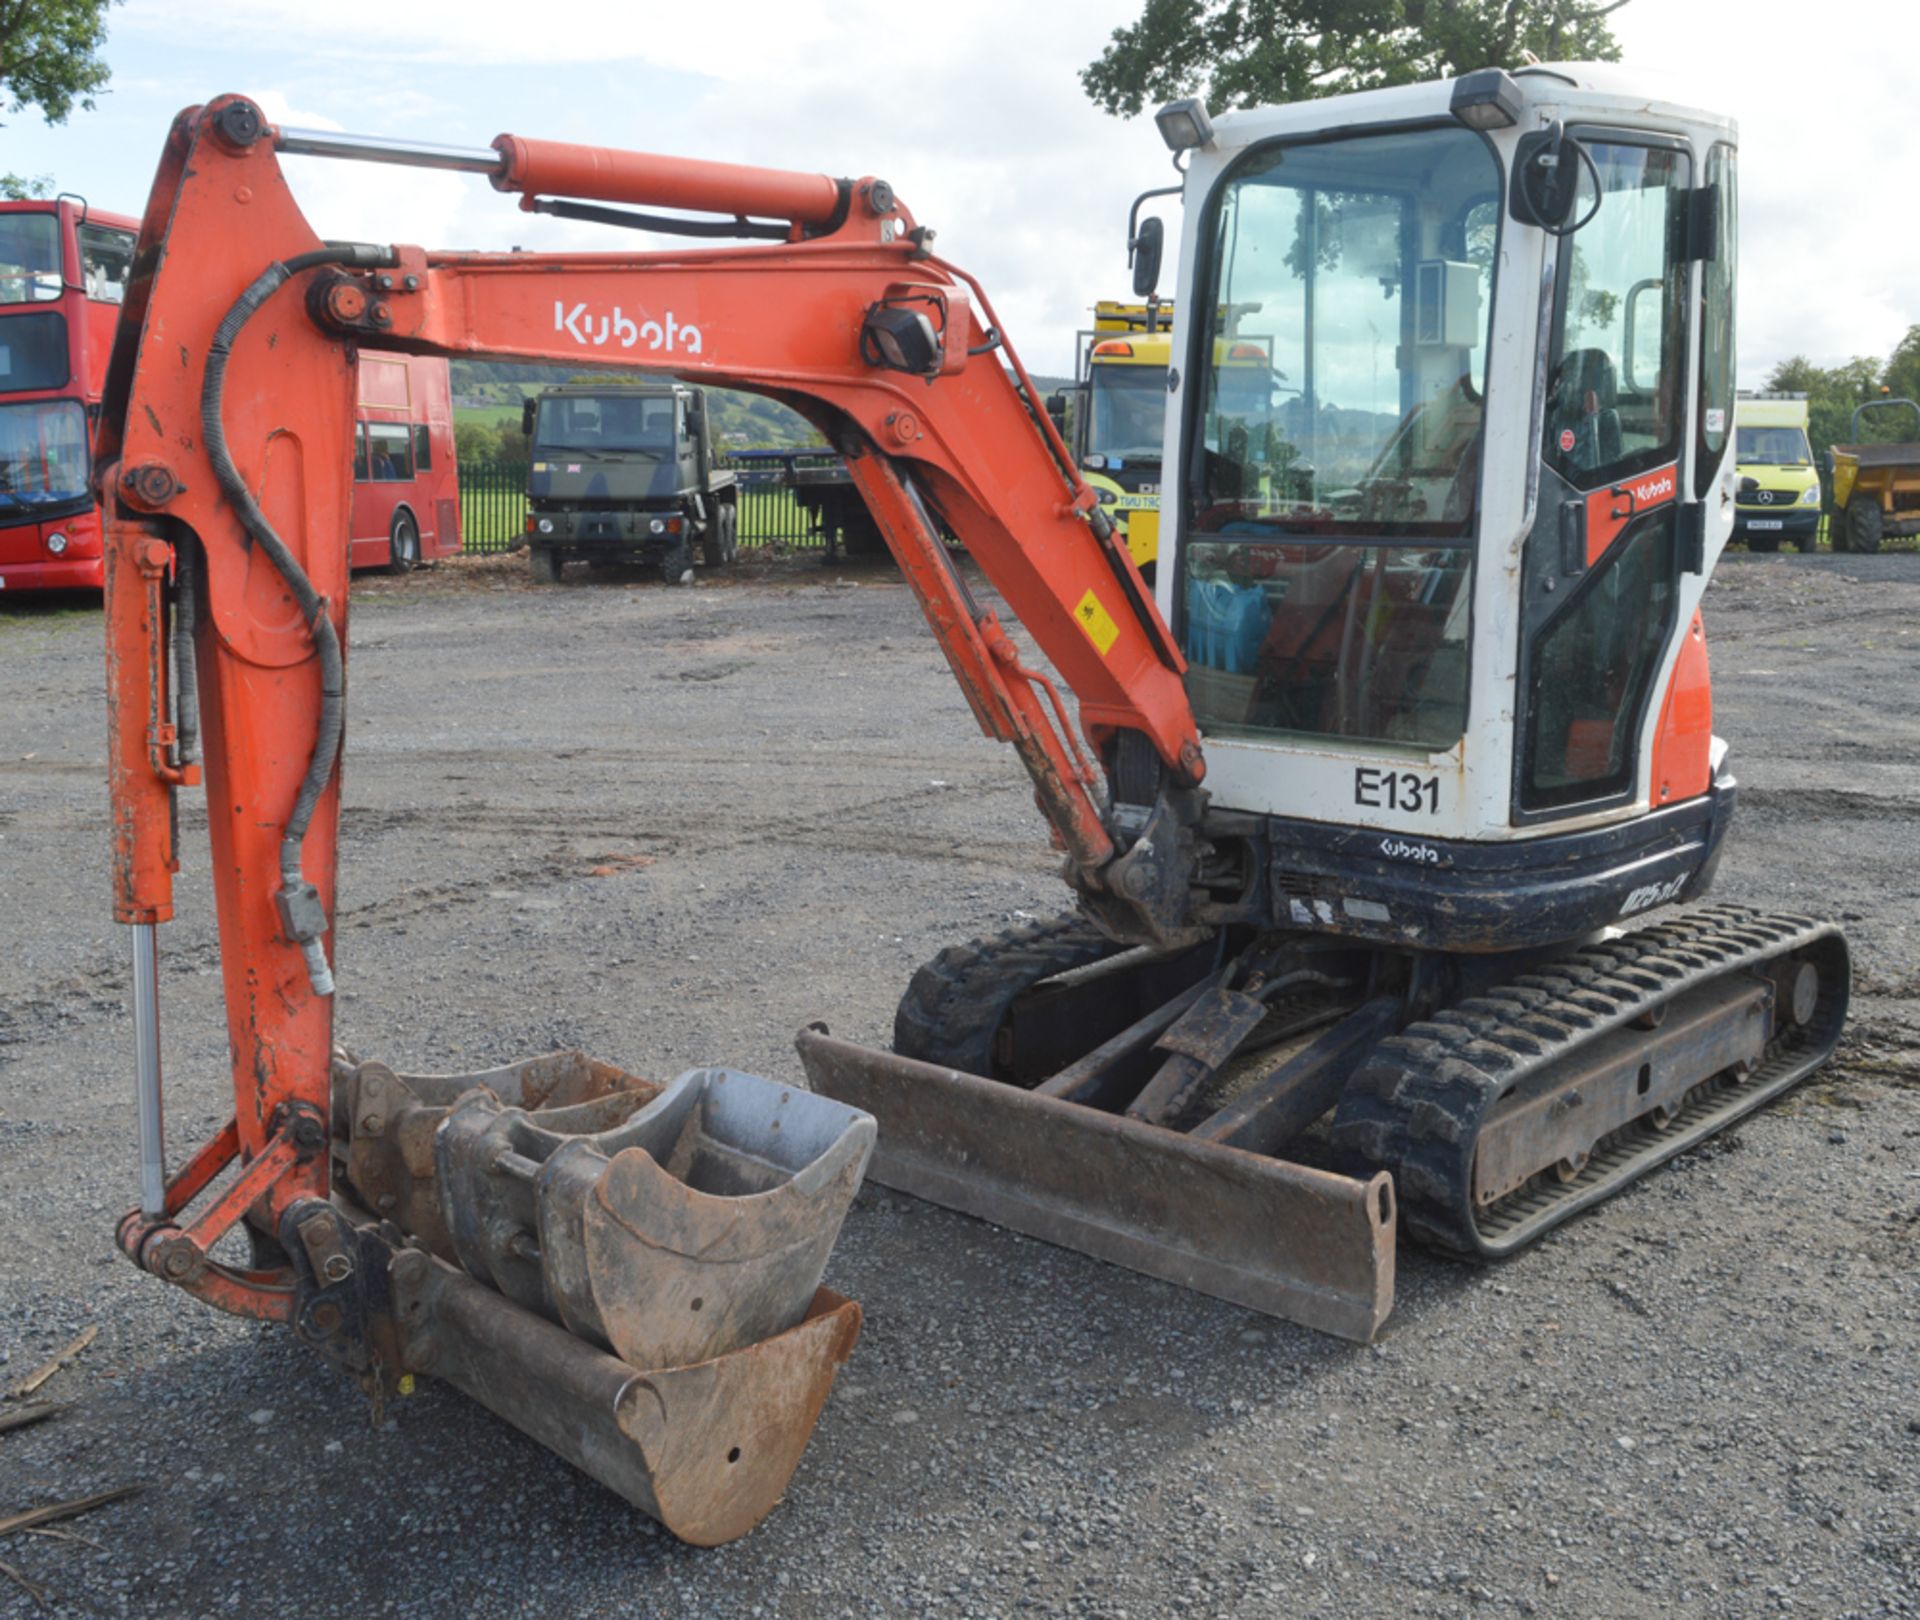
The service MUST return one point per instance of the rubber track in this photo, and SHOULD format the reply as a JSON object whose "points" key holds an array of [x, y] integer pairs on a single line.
{"points": [[1416, 1106], [955, 1004]]}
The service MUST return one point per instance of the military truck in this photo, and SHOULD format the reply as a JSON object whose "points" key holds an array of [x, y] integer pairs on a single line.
{"points": [[624, 472]]}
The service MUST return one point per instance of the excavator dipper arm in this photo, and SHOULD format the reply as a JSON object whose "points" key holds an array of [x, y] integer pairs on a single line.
{"points": [[223, 464]]}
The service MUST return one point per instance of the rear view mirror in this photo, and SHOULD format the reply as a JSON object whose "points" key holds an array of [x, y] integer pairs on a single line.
{"points": [[1057, 409], [1144, 251], [527, 409], [1546, 178]]}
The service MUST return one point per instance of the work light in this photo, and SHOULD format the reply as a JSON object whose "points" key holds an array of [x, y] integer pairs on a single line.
{"points": [[1184, 124], [1486, 100]]}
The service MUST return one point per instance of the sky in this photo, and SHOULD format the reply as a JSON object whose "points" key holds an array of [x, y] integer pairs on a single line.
{"points": [[975, 115]]}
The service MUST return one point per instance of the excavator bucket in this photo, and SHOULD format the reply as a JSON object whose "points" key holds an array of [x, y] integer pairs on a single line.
{"points": [[628, 1272], [1280, 1238]]}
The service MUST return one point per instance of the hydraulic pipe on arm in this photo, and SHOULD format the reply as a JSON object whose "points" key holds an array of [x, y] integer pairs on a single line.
{"points": [[228, 430]]}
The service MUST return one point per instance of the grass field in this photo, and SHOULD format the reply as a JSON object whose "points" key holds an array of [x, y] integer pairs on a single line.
{"points": [[487, 415], [493, 509]]}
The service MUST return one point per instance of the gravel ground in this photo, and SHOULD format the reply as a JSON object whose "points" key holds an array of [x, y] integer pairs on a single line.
{"points": [[1702, 1399]]}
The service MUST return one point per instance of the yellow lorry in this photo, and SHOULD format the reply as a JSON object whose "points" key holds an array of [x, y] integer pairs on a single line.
{"points": [[1117, 428], [1121, 380], [1778, 495]]}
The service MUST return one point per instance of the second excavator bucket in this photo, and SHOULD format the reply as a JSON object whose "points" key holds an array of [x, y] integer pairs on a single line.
{"points": [[628, 1272]]}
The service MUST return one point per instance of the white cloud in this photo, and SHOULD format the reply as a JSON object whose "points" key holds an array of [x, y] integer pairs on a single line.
{"points": [[1828, 149], [979, 121]]}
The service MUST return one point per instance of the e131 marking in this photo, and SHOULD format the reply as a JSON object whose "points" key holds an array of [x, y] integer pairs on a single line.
{"points": [[1376, 789]]}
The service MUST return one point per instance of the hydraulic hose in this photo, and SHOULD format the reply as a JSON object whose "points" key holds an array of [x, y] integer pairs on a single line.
{"points": [[301, 912]]}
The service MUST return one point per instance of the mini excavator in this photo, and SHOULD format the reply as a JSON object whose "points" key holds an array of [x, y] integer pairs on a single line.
{"points": [[1373, 813]]}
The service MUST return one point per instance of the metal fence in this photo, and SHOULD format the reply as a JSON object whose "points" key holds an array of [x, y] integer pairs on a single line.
{"points": [[493, 506]]}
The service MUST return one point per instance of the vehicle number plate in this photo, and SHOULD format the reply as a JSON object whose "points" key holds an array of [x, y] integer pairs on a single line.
{"points": [[1766, 523]]}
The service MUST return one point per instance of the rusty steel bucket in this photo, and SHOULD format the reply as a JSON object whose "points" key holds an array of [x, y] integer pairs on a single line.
{"points": [[627, 1272], [1281, 1238]]}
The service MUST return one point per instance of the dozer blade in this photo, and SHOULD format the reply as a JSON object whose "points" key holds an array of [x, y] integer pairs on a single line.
{"points": [[628, 1272], [1279, 1238]]}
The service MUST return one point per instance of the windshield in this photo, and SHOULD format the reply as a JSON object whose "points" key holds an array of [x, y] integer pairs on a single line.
{"points": [[43, 454], [1127, 411], [1328, 567], [1362, 269], [1773, 446], [606, 424], [29, 258]]}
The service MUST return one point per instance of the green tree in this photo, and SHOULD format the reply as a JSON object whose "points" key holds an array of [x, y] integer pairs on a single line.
{"points": [[49, 59], [475, 441], [1902, 376], [1247, 53], [50, 55]]}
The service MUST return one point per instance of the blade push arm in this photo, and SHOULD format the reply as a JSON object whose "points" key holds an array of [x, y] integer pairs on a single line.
{"points": [[227, 434]]}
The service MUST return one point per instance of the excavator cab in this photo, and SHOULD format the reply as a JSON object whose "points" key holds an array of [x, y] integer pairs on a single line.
{"points": [[1450, 680]]}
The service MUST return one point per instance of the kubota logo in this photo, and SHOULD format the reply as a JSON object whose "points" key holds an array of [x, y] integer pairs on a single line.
{"points": [[1650, 491], [596, 332]]}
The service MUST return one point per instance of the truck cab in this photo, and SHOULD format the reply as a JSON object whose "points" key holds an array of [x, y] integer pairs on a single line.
{"points": [[1778, 489], [1123, 399], [625, 473]]}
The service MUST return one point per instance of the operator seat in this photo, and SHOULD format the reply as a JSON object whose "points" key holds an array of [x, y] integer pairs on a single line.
{"points": [[1586, 403]]}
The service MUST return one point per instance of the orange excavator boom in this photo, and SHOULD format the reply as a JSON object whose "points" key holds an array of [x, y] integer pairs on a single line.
{"points": [[224, 467]]}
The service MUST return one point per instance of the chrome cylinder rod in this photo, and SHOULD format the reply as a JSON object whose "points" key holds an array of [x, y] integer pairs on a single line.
{"points": [[384, 149], [146, 1055]]}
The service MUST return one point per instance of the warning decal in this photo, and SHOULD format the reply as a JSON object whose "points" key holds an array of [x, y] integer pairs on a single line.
{"points": [[1097, 622]]}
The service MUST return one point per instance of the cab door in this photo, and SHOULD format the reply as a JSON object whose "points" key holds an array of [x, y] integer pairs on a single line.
{"points": [[1603, 563]]}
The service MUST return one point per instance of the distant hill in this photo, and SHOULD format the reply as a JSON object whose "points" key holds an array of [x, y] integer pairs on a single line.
{"points": [[740, 421], [492, 390]]}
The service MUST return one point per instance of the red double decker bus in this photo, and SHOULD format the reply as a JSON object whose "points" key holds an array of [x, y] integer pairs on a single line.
{"points": [[406, 488], [63, 273]]}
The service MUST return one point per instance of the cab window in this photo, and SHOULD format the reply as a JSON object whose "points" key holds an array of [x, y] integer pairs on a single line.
{"points": [[1614, 393], [1716, 323]]}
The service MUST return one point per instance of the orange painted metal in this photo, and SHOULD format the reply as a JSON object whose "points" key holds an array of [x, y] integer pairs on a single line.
{"points": [[1613, 506], [601, 174], [962, 447], [1683, 745]]}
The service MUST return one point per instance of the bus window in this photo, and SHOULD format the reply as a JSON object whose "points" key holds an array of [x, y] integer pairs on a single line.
{"points": [[29, 258], [359, 452], [106, 259], [422, 447], [391, 447], [33, 352]]}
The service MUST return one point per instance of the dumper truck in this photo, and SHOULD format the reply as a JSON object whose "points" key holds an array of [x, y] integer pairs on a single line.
{"points": [[1876, 487]]}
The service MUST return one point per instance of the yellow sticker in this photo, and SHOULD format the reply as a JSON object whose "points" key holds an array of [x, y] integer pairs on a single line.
{"points": [[1097, 622], [539, 466]]}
